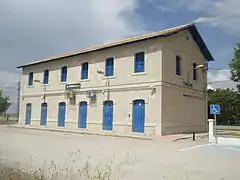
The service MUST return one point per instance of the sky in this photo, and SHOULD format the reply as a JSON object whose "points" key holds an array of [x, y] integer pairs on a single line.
{"points": [[32, 30]]}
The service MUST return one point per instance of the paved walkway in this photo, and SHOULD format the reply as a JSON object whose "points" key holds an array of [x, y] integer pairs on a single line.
{"points": [[157, 138]]}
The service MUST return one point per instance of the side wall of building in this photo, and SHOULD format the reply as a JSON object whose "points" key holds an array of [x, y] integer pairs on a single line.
{"points": [[125, 87], [184, 107]]}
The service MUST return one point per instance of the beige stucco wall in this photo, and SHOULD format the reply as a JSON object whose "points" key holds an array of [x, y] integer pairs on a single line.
{"points": [[173, 108], [122, 114], [125, 86], [124, 68], [181, 113]]}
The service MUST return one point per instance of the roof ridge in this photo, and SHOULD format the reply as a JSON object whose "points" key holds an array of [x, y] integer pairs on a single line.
{"points": [[163, 32]]}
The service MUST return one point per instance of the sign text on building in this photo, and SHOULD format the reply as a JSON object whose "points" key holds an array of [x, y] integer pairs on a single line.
{"points": [[73, 86]]}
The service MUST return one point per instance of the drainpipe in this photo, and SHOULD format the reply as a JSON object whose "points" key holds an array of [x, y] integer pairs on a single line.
{"points": [[205, 95], [107, 84]]}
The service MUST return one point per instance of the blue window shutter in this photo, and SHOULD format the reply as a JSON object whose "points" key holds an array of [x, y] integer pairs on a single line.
{"points": [[109, 67], [194, 71], [46, 76], [108, 115], [30, 79], [64, 74], [178, 66], [84, 73], [139, 62]]}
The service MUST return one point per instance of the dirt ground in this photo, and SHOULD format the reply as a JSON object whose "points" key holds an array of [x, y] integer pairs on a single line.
{"points": [[139, 159]]}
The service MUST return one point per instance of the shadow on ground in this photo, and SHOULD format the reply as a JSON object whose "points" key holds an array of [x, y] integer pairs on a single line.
{"points": [[8, 122]]}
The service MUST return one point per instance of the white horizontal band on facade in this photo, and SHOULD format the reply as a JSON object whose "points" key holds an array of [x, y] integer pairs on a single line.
{"points": [[111, 88], [98, 123]]}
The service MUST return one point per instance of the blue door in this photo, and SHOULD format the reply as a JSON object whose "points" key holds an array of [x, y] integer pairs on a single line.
{"points": [[108, 116], [43, 114], [61, 115], [28, 114], [138, 116], [82, 115]]}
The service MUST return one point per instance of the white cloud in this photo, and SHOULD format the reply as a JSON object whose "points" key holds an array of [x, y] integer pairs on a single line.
{"points": [[222, 13], [164, 9], [8, 83], [206, 20], [8, 79], [159, 6], [220, 80], [32, 30]]}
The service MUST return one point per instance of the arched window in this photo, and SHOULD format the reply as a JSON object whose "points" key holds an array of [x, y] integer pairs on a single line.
{"points": [[138, 121], [43, 121], [28, 115], [108, 115], [178, 66], [109, 67], [84, 73], [61, 114], [82, 115], [64, 74], [139, 62], [194, 71], [46, 76]]}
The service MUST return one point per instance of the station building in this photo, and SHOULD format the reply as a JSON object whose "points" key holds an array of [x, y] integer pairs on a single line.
{"points": [[146, 86]]}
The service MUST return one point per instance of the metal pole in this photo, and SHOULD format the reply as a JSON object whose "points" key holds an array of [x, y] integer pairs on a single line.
{"points": [[18, 98], [205, 95], [215, 127], [188, 75]]}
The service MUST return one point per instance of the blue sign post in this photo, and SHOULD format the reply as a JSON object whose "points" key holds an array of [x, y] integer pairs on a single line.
{"points": [[215, 110]]}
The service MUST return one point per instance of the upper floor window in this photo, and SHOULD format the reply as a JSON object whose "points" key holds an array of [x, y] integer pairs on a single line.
{"points": [[178, 66], [194, 71], [139, 62], [30, 79], [109, 67], [46, 76], [84, 73], [64, 74]]}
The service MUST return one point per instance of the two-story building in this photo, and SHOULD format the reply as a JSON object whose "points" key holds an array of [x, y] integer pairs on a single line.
{"points": [[146, 86]]}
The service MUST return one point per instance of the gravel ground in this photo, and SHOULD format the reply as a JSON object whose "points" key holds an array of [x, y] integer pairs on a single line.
{"points": [[140, 159]]}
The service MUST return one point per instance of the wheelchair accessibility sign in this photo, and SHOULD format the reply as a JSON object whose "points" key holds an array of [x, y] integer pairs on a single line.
{"points": [[215, 109]]}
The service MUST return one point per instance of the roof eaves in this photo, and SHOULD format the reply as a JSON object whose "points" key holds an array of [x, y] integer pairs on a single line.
{"points": [[200, 42], [164, 33]]}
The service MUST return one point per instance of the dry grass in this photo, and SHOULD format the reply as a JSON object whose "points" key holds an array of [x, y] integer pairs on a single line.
{"points": [[69, 171], [50, 171]]}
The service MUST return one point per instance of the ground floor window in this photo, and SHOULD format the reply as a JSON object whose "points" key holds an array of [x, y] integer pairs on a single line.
{"points": [[61, 114], [43, 121], [108, 115], [138, 116], [28, 113], [82, 121]]}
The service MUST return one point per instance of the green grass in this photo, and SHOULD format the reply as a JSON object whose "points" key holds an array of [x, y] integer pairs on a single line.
{"points": [[10, 115], [231, 128]]}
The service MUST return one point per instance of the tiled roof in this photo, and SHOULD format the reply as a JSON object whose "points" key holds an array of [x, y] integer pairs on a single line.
{"points": [[168, 32]]}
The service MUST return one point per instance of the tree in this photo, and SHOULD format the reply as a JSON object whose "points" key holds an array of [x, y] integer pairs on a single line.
{"points": [[235, 66], [4, 103], [229, 101]]}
